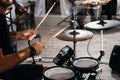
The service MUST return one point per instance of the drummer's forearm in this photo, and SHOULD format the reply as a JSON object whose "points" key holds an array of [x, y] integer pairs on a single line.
{"points": [[15, 35]]}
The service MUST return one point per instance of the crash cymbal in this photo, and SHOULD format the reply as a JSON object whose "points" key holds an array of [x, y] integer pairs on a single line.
{"points": [[102, 24], [92, 2], [80, 35]]}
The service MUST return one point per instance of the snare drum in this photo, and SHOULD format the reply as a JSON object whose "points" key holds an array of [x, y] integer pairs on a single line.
{"points": [[58, 73], [85, 64]]}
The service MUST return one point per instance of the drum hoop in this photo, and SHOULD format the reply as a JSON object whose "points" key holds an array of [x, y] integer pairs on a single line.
{"points": [[58, 67], [97, 63]]}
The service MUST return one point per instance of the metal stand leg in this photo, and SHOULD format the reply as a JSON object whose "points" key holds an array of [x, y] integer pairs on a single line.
{"points": [[74, 46], [101, 40], [64, 20], [101, 51]]}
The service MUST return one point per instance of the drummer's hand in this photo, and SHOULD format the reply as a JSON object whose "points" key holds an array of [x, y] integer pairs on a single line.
{"points": [[28, 34], [38, 47]]}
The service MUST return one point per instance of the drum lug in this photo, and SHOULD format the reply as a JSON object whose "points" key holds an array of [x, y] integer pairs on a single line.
{"points": [[102, 53], [99, 70]]}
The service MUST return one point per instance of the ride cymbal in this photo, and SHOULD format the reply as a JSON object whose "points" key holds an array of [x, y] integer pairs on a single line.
{"points": [[102, 24]]}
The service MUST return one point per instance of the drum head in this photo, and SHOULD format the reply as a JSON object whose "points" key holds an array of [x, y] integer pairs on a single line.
{"points": [[58, 73], [85, 64]]}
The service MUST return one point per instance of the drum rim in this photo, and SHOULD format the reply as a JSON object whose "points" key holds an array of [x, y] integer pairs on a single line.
{"points": [[57, 67], [86, 58]]}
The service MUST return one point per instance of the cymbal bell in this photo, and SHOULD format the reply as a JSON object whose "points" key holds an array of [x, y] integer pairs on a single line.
{"points": [[101, 25], [75, 35]]}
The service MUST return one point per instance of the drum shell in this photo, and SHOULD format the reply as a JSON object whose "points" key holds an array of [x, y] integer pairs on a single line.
{"points": [[47, 78], [86, 69]]}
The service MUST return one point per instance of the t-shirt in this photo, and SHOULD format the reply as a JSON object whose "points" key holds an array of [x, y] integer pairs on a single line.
{"points": [[5, 41]]}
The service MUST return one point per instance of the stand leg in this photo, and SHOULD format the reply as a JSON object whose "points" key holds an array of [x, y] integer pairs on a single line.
{"points": [[64, 20], [101, 51], [74, 46], [102, 40]]}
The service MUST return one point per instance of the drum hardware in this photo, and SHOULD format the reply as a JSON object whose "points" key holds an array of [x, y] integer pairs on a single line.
{"points": [[102, 53], [102, 22], [92, 76], [74, 36], [73, 17], [73, 24], [64, 20], [85, 65], [64, 56], [102, 25], [99, 70]]}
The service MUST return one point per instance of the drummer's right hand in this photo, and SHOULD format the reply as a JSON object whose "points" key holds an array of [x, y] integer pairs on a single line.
{"points": [[38, 47]]}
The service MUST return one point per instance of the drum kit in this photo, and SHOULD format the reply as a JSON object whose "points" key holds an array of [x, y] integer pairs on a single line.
{"points": [[68, 66]]}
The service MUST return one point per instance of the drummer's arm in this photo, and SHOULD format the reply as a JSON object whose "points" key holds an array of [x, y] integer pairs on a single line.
{"points": [[9, 61]]}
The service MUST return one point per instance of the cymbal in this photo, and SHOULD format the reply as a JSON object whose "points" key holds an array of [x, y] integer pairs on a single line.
{"points": [[80, 35], [92, 2], [104, 24]]}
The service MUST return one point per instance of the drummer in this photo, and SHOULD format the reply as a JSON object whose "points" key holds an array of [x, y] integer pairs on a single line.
{"points": [[8, 58]]}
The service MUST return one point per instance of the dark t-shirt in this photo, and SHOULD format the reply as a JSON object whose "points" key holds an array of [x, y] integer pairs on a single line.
{"points": [[5, 42]]}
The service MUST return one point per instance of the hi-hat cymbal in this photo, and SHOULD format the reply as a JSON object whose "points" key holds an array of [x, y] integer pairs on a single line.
{"points": [[80, 35], [102, 24]]}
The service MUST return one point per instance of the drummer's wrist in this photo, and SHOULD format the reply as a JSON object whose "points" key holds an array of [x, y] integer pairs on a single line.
{"points": [[32, 51]]}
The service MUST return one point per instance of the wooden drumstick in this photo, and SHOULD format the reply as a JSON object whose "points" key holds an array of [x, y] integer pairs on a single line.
{"points": [[45, 16], [49, 39]]}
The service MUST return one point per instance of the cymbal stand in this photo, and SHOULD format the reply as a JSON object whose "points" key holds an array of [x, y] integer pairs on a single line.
{"points": [[101, 51], [102, 31], [64, 20], [73, 24]]}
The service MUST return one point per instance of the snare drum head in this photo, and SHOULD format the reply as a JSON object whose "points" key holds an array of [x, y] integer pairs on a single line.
{"points": [[59, 73]]}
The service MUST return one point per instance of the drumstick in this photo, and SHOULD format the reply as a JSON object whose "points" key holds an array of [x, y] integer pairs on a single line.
{"points": [[44, 17], [50, 38]]}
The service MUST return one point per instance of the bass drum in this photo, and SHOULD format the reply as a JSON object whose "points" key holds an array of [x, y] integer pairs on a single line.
{"points": [[58, 73], [85, 64]]}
